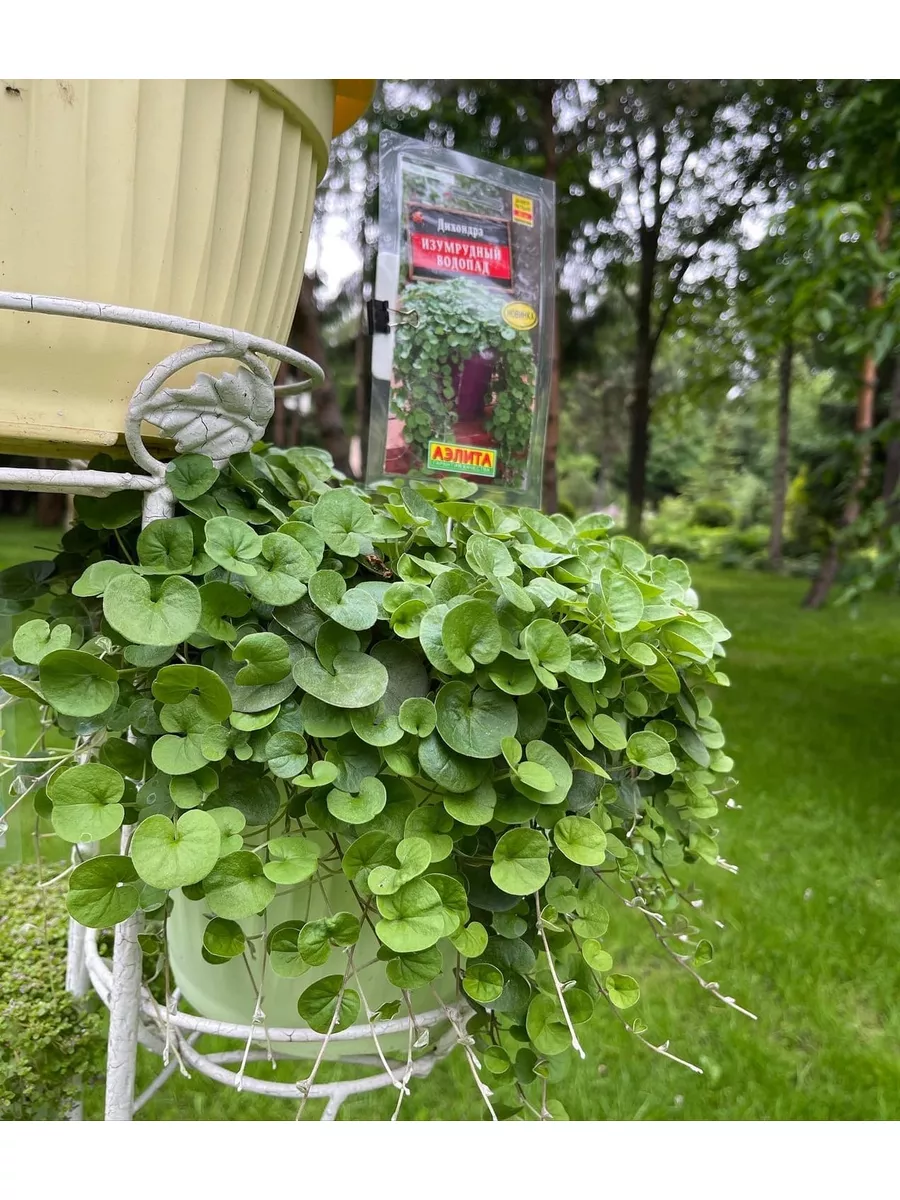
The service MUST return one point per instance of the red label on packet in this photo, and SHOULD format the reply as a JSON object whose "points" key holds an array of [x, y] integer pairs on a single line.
{"points": [[444, 243]]}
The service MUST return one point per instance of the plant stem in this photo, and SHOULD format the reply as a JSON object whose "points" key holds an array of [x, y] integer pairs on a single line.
{"points": [[576, 1045]]}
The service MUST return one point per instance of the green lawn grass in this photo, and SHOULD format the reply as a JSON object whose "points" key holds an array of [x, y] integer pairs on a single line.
{"points": [[811, 940]]}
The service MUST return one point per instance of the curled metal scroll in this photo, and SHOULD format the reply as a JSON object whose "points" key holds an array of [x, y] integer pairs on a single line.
{"points": [[216, 416]]}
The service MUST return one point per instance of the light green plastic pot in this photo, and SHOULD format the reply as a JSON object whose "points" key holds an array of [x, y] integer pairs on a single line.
{"points": [[225, 993]]}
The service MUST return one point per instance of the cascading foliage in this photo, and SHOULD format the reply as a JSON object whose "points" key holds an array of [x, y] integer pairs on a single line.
{"points": [[494, 723]]}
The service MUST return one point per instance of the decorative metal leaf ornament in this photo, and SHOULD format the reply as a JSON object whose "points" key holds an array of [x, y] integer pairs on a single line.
{"points": [[218, 416]]}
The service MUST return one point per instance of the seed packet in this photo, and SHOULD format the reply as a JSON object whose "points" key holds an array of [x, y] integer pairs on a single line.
{"points": [[462, 321]]}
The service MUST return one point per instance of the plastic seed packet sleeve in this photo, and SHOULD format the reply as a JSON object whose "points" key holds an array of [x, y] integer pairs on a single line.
{"points": [[461, 365]]}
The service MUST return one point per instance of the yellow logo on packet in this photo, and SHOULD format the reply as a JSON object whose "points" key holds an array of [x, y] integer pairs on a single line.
{"points": [[519, 315], [523, 210], [464, 460]]}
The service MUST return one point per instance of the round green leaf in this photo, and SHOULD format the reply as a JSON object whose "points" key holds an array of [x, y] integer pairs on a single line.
{"points": [[474, 721], [236, 886], [281, 570], [284, 955], [623, 604], [93, 581], [483, 983], [231, 821], [255, 698], [355, 681], [431, 823], [650, 750], [148, 657], [320, 775], [544, 755], [454, 901], [317, 937], [470, 633], [35, 639], [163, 616], [623, 990], [232, 544], [175, 683], [512, 675], [286, 754], [580, 840], [521, 862], [166, 547], [189, 791], [595, 956], [546, 1022], [454, 772], [473, 808], [372, 850], [291, 859], [354, 609], [253, 722], [343, 520], [124, 757], [190, 475], [174, 755], [587, 661], [224, 939], [266, 656], [323, 1007], [410, 971], [487, 556], [102, 891], [248, 789], [169, 856], [356, 810], [470, 940], [379, 724], [608, 732], [412, 917], [86, 804], [535, 776], [548, 650], [217, 601], [77, 684]]}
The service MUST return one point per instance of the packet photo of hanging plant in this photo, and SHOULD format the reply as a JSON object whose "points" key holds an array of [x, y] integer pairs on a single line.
{"points": [[461, 351]]}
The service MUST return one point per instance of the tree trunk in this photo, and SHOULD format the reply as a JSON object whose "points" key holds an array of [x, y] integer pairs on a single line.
{"points": [[865, 414], [306, 336], [643, 374], [640, 434], [780, 476], [892, 455]]}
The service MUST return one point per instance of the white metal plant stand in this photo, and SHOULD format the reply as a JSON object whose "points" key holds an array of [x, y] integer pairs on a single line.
{"points": [[220, 417]]}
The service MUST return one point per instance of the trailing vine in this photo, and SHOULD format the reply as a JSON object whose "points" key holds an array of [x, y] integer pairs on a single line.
{"points": [[457, 320], [491, 728]]}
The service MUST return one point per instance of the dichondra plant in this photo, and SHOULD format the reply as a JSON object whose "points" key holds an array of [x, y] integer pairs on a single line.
{"points": [[493, 723]]}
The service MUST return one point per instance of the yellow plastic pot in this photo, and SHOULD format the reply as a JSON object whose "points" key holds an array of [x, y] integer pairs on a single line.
{"points": [[191, 197]]}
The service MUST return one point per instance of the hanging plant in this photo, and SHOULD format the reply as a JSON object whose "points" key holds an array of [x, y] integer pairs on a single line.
{"points": [[458, 321], [495, 724]]}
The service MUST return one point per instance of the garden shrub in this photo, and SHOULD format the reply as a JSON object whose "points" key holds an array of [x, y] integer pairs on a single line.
{"points": [[49, 1041], [713, 514]]}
